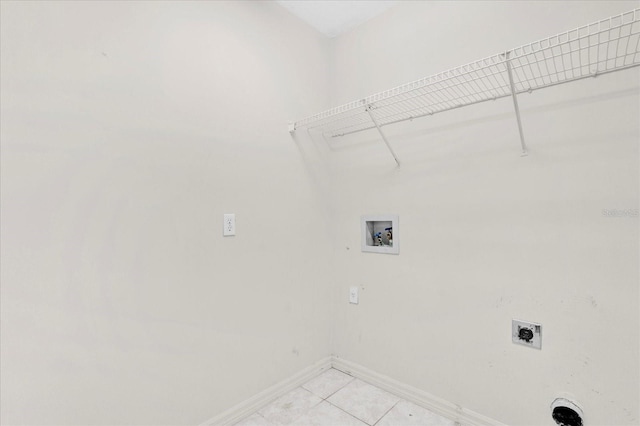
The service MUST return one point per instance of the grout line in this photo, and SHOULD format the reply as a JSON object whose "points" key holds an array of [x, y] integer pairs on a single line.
{"points": [[342, 387], [353, 378], [348, 413], [382, 417], [334, 392], [338, 390], [310, 408], [299, 416]]}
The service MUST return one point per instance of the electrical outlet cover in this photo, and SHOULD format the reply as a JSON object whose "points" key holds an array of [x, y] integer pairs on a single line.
{"points": [[229, 225], [526, 333]]}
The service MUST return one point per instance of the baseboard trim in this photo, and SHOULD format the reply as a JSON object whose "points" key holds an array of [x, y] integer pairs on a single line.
{"points": [[419, 397], [251, 405]]}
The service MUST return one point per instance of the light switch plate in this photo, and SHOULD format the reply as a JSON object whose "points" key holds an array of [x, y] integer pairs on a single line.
{"points": [[353, 295]]}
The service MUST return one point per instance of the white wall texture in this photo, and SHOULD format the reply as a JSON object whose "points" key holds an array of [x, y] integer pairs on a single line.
{"points": [[128, 129], [488, 236]]}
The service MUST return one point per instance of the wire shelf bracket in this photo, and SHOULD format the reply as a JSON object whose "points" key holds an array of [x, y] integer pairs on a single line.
{"points": [[609, 45], [515, 103], [384, 138]]}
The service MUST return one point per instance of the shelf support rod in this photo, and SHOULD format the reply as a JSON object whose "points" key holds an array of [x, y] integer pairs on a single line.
{"points": [[515, 104], [384, 138]]}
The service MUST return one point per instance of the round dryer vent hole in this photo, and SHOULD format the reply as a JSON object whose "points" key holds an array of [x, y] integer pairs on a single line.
{"points": [[566, 413]]}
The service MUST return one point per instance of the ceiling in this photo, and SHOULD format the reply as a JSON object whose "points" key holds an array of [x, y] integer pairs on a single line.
{"points": [[333, 18]]}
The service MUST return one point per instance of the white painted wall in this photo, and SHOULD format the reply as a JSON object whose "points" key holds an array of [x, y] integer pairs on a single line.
{"points": [[128, 129], [488, 236]]}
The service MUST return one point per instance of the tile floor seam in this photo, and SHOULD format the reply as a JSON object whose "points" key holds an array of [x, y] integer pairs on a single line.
{"points": [[339, 389], [293, 419], [319, 413], [344, 411], [309, 409], [367, 384], [394, 405]]}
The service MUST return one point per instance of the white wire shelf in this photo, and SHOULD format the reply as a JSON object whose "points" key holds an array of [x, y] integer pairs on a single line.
{"points": [[605, 46]]}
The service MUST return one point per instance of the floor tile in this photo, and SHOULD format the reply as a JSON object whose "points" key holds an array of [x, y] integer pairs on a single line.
{"points": [[406, 413], [326, 414], [363, 401], [254, 420], [328, 383], [289, 407]]}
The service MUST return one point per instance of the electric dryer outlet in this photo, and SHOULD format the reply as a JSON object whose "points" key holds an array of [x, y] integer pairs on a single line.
{"points": [[526, 333]]}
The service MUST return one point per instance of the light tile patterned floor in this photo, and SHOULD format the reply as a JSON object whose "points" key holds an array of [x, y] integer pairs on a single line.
{"points": [[337, 399]]}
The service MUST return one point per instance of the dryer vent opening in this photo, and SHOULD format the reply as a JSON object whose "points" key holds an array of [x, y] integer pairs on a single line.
{"points": [[566, 413]]}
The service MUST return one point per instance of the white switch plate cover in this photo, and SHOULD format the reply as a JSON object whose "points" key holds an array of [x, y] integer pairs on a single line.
{"points": [[535, 342], [353, 295], [229, 224]]}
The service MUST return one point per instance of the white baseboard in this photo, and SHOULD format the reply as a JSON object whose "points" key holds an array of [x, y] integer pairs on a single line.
{"points": [[253, 404], [419, 397]]}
